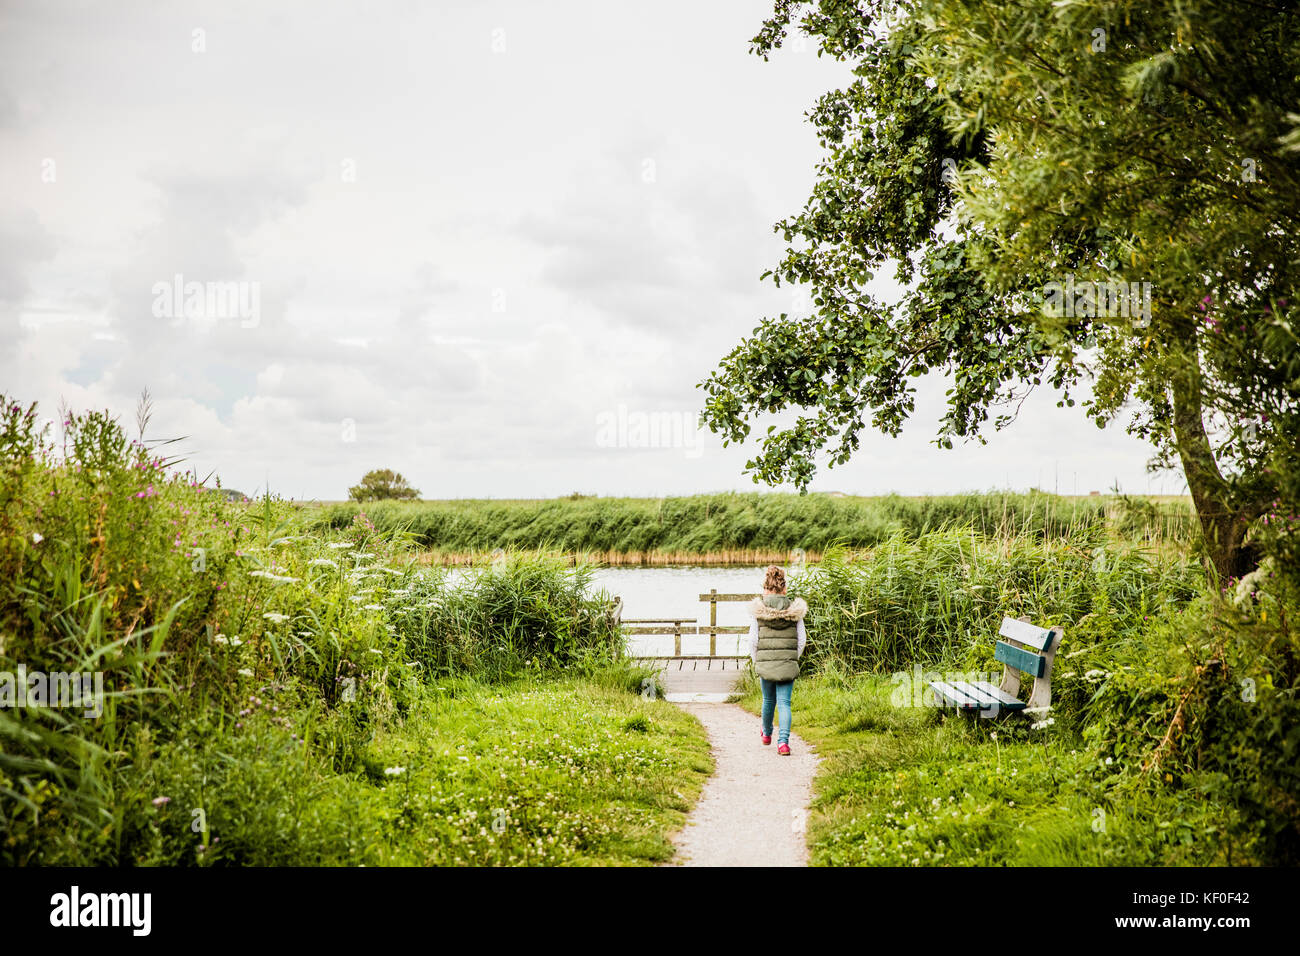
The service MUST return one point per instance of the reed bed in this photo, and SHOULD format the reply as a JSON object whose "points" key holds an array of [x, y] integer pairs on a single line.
{"points": [[745, 528], [939, 598]]}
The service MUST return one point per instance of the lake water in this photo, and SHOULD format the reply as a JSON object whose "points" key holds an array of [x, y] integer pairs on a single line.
{"points": [[675, 592]]}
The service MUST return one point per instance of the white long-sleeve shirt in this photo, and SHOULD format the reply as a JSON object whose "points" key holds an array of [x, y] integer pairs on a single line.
{"points": [[753, 639]]}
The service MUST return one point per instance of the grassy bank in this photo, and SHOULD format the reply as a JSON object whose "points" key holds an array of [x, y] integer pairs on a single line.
{"points": [[747, 528], [560, 771], [274, 694], [901, 787], [1175, 725]]}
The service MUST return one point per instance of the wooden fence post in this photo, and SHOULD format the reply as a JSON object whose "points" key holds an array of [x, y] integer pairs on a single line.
{"points": [[713, 622]]}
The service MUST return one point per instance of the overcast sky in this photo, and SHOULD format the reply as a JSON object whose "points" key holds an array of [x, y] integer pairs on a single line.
{"points": [[480, 243]]}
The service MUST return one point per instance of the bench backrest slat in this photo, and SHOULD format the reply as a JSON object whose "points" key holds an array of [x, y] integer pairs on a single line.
{"points": [[1039, 638], [1020, 659]]}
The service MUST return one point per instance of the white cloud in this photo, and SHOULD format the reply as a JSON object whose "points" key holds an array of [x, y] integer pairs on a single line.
{"points": [[461, 256]]}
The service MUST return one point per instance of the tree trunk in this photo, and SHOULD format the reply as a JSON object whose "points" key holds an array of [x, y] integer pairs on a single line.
{"points": [[1224, 519]]}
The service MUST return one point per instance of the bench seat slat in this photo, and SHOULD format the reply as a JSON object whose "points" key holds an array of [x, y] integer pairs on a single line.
{"points": [[1020, 659], [954, 694], [1039, 638], [980, 696], [1001, 696], [969, 695]]}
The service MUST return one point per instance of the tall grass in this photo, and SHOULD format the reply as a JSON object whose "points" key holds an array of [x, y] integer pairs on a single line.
{"points": [[721, 525], [199, 612], [524, 612], [940, 597]]}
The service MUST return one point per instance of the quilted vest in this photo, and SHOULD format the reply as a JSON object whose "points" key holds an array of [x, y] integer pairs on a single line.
{"points": [[777, 658]]}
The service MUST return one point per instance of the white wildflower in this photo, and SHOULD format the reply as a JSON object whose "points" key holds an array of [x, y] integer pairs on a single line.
{"points": [[246, 672], [394, 771], [271, 576], [1248, 587], [37, 537], [275, 618], [322, 563], [338, 544]]}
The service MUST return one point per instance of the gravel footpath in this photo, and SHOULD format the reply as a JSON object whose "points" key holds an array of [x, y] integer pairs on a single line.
{"points": [[753, 810]]}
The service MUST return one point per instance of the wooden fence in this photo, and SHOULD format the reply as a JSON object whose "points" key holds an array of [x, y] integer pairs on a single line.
{"points": [[679, 626]]}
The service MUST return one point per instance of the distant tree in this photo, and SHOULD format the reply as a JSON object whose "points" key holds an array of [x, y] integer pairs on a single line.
{"points": [[380, 484]]}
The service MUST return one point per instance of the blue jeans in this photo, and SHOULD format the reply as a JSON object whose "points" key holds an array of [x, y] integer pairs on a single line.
{"points": [[776, 697]]}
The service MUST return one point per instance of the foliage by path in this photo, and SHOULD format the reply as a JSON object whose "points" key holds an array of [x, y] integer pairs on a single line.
{"points": [[548, 772], [277, 695], [904, 786]]}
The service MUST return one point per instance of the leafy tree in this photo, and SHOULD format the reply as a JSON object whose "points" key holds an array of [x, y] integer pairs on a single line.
{"points": [[380, 484], [992, 149]]}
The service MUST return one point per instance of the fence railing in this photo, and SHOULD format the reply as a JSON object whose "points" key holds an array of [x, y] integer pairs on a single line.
{"points": [[679, 626]]}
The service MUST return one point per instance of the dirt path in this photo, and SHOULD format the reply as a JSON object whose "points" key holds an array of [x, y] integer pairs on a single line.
{"points": [[753, 809]]}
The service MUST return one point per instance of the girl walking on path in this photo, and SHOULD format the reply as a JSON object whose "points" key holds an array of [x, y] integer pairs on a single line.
{"points": [[776, 641]]}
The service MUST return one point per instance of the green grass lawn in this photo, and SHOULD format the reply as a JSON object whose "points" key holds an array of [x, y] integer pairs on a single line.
{"points": [[551, 772], [560, 771], [906, 786]]}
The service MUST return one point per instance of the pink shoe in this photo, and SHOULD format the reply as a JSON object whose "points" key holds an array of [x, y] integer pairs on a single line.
{"points": [[783, 750], [767, 739]]}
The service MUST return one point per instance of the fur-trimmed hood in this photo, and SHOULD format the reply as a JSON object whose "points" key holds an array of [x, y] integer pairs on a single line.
{"points": [[795, 612]]}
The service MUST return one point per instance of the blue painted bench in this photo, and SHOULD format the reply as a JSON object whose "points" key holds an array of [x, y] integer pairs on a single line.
{"points": [[1027, 650]]}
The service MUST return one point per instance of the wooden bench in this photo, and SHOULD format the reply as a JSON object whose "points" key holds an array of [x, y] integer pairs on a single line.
{"points": [[1027, 649]]}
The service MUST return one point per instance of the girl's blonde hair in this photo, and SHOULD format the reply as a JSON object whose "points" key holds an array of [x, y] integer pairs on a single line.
{"points": [[775, 580]]}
